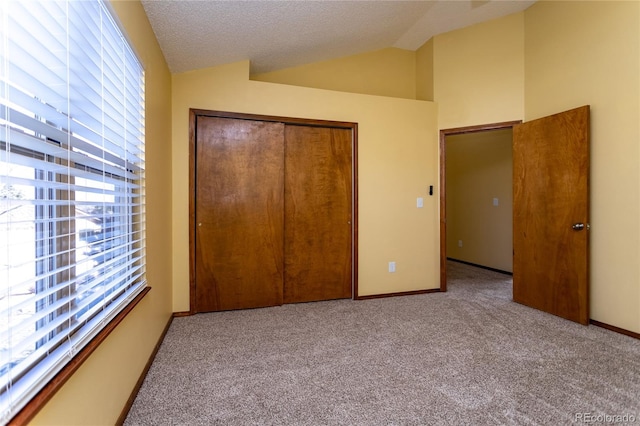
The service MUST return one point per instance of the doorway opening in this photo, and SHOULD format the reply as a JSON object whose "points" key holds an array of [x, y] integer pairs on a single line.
{"points": [[476, 212]]}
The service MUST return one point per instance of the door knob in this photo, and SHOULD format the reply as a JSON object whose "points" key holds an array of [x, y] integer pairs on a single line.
{"points": [[578, 226]]}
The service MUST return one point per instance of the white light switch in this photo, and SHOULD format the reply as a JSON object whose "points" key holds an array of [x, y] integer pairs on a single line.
{"points": [[392, 266], [495, 202], [420, 202]]}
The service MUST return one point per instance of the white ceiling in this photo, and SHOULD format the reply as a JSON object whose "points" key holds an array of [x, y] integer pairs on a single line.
{"points": [[275, 34]]}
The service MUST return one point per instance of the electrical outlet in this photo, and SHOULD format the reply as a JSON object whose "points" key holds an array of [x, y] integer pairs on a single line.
{"points": [[459, 243], [392, 266]]}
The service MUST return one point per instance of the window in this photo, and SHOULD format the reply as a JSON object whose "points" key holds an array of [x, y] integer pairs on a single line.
{"points": [[71, 186]]}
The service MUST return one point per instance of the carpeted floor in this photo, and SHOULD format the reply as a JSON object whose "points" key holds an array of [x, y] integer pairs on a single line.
{"points": [[468, 356]]}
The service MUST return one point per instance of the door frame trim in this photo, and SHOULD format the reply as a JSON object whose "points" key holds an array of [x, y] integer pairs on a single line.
{"points": [[443, 184], [195, 113]]}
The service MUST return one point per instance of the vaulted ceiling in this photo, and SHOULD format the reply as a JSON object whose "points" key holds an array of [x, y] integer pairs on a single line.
{"points": [[280, 34]]}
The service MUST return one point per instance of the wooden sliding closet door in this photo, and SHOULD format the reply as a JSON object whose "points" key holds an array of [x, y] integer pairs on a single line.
{"points": [[239, 213], [318, 197]]}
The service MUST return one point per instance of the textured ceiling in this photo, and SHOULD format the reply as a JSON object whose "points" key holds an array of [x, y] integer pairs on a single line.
{"points": [[281, 34]]}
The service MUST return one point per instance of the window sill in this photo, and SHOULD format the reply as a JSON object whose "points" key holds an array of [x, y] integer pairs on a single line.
{"points": [[35, 405]]}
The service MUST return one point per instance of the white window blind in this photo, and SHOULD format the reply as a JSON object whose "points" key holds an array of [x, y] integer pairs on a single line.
{"points": [[71, 186]]}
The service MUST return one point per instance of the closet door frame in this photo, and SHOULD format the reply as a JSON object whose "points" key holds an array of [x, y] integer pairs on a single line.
{"points": [[193, 117]]}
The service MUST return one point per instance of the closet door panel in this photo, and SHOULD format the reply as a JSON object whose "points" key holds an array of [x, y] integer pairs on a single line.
{"points": [[239, 214], [318, 198]]}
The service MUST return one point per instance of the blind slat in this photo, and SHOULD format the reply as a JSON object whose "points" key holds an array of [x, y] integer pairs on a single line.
{"points": [[80, 278], [110, 187], [20, 139], [45, 293], [51, 132]]}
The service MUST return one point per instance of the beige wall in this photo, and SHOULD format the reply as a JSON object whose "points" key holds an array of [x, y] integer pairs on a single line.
{"points": [[424, 71], [479, 170], [98, 391], [580, 53], [478, 73], [397, 161], [385, 72]]}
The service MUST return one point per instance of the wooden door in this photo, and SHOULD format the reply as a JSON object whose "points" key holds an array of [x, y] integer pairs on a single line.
{"points": [[551, 214], [318, 182], [239, 213]]}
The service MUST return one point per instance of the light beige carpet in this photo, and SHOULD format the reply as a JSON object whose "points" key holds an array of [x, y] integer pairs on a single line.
{"points": [[468, 356]]}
